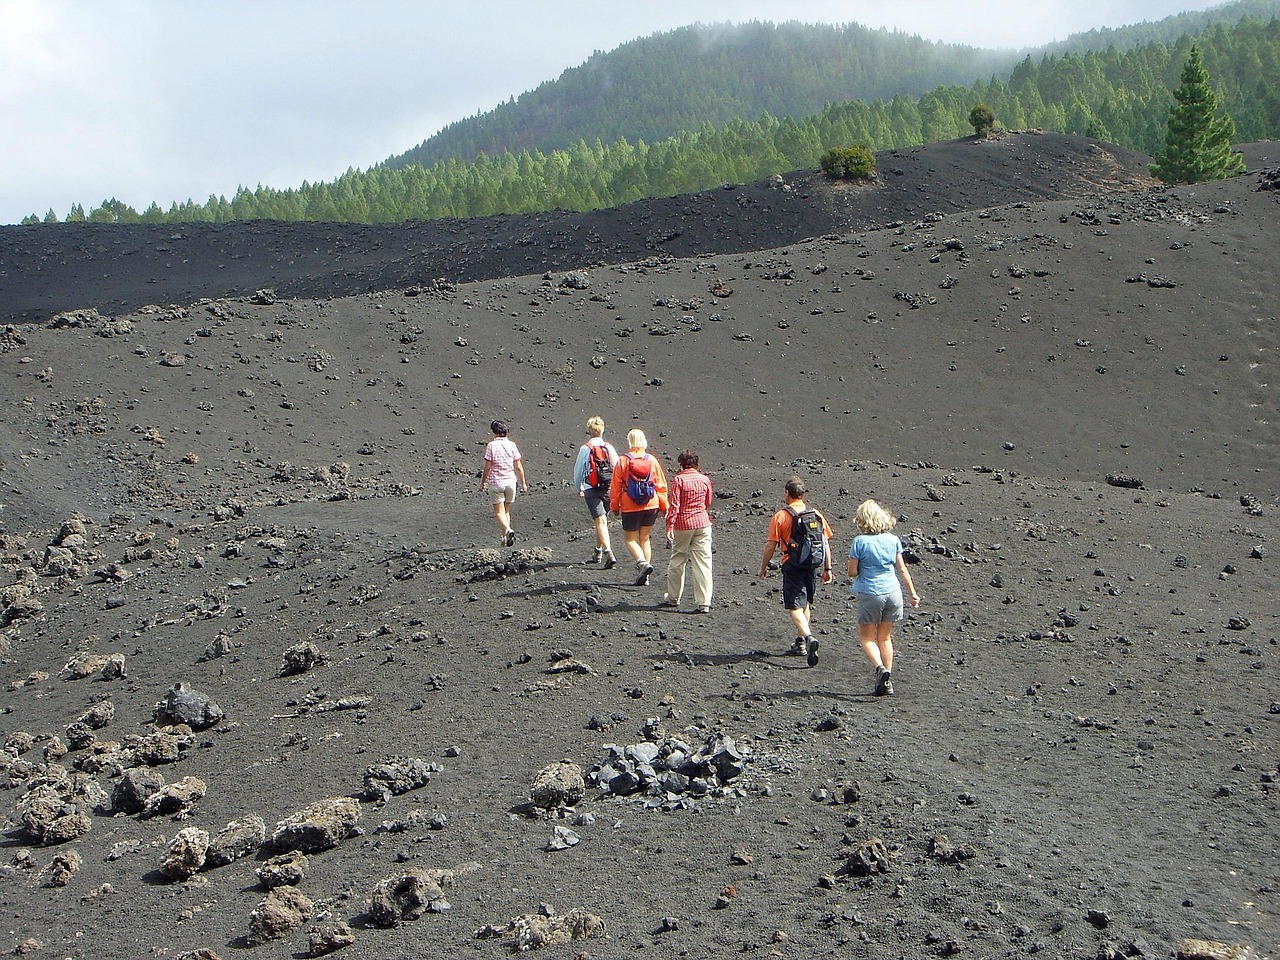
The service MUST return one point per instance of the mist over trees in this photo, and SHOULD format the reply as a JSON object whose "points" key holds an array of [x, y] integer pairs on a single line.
{"points": [[1121, 97], [670, 83]]}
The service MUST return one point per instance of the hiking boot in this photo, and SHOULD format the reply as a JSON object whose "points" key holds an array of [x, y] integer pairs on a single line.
{"points": [[642, 579], [668, 602], [596, 555], [812, 651], [701, 609], [510, 538], [799, 648], [610, 561]]}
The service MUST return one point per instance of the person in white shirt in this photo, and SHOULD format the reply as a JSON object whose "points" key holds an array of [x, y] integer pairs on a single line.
{"points": [[503, 470]]}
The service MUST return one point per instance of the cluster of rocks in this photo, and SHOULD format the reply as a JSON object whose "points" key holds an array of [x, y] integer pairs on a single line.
{"points": [[490, 564], [73, 319], [1269, 179], [56, 804], [1152, 281], [66, 556], [69, 557], [53, 806], [317, 827], [193, 849], [397, 775], [669, 772], [546, 928], [1252, 505]]}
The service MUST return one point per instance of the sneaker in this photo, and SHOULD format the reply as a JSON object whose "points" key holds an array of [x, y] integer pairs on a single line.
{"points": [[642, 580], [510, 538], [812, 651], [884, 683], [701, 609], [596, 554], [610, 561], [799, 648], [668, 602]]}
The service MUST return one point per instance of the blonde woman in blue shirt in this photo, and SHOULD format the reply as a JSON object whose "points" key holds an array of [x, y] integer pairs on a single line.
{"points": [[876, 566]]}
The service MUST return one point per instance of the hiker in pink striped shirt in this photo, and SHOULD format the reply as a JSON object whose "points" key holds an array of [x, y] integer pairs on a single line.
{"points": [[689, 533]]}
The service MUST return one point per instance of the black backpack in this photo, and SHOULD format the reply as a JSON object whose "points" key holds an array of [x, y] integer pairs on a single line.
{"points": [[599, 469], [806, 547], [640, 485]]}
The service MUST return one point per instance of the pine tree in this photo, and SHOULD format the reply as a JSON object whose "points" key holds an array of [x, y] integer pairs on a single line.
{"points": [[1197, 146]]}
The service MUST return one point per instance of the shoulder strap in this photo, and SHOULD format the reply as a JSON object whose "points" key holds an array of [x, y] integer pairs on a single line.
{"points": [[791, 527]]}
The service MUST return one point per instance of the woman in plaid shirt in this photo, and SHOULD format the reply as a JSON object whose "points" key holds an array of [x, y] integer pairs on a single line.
{"points": [[689, 533]]}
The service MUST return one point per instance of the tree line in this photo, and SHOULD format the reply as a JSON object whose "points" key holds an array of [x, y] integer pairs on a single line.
{"points": [[1123, 98]]}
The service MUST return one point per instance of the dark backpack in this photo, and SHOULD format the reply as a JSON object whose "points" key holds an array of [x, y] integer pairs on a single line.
{"points": [[640, 487], [599, 467], [806, 547]]}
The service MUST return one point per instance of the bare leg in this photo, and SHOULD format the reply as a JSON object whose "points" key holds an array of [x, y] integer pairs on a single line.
{"points": [[503, 514], [868, 637], [800, 619], [602, 533], [634, 547], [884, 641], [645, 545]]}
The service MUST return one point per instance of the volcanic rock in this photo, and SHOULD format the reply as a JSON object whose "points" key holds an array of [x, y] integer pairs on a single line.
{"points": [[278, 914], [409, 895], [183, 705], [318, 826]]}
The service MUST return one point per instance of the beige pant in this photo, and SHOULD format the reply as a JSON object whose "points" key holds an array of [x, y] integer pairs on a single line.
{"points": [[691, 548]]}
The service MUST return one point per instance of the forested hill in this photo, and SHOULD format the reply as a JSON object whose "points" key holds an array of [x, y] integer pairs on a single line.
{"points": [[1168, 30], [670, 83]]}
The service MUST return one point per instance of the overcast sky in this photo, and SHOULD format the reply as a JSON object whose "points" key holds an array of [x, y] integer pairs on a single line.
{"points": [[169, 100]]}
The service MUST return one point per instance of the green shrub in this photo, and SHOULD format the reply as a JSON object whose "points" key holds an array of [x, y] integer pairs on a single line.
{"points": [[982, 119], [848, 163]]}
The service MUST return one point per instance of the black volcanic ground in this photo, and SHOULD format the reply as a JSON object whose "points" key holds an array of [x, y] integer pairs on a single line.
{"points": [[1056, 372]]}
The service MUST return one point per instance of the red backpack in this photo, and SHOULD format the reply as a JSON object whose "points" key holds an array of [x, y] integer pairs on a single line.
{"points": [[640, 485], [599, 466]]}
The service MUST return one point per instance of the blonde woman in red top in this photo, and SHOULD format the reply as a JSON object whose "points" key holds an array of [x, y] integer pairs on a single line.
{"points": [[689, 533], [638, 514]]}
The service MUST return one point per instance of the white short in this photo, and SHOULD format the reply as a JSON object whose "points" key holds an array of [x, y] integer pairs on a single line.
{"points": [[499, 495]]}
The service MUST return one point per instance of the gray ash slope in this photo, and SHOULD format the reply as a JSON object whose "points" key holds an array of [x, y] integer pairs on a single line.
{"points": [[117, 268], [1082, 757]]}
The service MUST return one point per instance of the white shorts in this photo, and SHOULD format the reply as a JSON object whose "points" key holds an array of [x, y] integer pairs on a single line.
{"points": [[499, 495]]}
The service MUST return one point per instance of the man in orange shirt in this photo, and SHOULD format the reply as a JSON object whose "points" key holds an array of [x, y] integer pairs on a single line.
{"points": [[805, 539]]}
